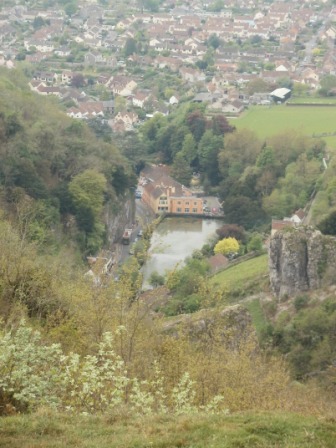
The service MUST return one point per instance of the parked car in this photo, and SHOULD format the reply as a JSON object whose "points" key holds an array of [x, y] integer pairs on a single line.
{"points": [[140, 233]]}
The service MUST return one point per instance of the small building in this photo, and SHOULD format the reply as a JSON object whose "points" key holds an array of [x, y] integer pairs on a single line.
{"points": [[280, 95], [279, 224]]}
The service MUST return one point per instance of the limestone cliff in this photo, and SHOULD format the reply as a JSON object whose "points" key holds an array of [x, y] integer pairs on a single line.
{"points": [[232, 325], [301, 259]]}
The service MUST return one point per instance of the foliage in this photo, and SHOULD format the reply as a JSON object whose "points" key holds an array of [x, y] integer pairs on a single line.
{"points": [[308, 338], [255, 243], [231, 230], [156, 279], [328, 224], [42, 151], [227, 246]]}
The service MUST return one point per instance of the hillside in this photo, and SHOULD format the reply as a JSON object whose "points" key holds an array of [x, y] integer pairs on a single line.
{"points": [[54, 170]]}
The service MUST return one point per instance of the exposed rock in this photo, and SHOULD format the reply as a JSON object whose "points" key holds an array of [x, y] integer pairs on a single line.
{"points": [[117, 217], [233, 324], [301, 259]]}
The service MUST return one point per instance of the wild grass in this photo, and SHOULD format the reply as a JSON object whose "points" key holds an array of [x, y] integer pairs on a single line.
{"points": [[250, 430], [244, 277], [258, 316], [268, 121]]}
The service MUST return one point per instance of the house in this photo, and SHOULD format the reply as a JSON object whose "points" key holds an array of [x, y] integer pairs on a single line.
{"points": [[66, 76], [124, 121], [121, 85], [140, 98], [93, 58], [173, 100], [298, 216], [279, 224], [108, 106], [47, 90], [191, 75], [163, 194], [232, 108], [62, 51], [89, 109], [48, 77]]}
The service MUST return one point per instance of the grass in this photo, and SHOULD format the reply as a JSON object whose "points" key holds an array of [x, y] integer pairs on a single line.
{"points": [[258, 317], [252, 430], [312, 100], [268, 121], [241, 277]]}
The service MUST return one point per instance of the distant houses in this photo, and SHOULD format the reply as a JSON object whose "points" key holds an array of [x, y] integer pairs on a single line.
{"points": [[296, 219]]}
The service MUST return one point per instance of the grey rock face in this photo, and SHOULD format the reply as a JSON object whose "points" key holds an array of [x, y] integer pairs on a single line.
{"points": [[301, 259]]}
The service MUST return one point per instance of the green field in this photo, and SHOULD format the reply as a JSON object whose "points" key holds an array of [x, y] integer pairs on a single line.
{"points": [[245, 430], [312, 100], [268, 121], [240, 277]]}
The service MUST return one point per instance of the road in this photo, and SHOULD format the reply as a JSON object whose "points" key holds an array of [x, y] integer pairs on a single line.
{"points": [[143, 217]]}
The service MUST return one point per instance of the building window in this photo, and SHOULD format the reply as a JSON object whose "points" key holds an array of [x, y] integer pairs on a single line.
{"points": [[179, 202], [187, 203], [195, 203], [179, 210], [194, 210], [186, 210]]}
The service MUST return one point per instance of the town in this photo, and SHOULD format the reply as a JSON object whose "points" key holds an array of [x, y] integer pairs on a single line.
{"points": [[124, 65]]}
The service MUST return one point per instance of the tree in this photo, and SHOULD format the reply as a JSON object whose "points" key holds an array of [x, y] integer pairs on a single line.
{"points": [[70, 8], [156, 279], [242, 210], [151, 5], [38, 22], [231, 230], [328, 224], [258, 85], [255, 243], [227, 246], [181, 170], [220, 125], [189, 148], [214, 41], [78, 80], [328, 84], [196, 122], [266, 158], [87, 192], [208, 149], [130, 47], [241, 148]]}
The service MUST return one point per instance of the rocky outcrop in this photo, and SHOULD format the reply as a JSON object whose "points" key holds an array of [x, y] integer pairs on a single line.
{"points": [[232, 325], [301, 259], [118, 216]]}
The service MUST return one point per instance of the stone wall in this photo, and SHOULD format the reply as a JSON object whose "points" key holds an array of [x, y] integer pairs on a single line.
{"points": [[301, 259]]}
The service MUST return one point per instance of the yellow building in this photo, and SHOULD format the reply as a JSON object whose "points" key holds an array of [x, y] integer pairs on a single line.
{"points": [[163, 194]]}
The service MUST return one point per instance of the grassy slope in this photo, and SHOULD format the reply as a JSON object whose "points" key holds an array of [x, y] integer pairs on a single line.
{"points": [[265, 121], [240, 275], [199, 431]]}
